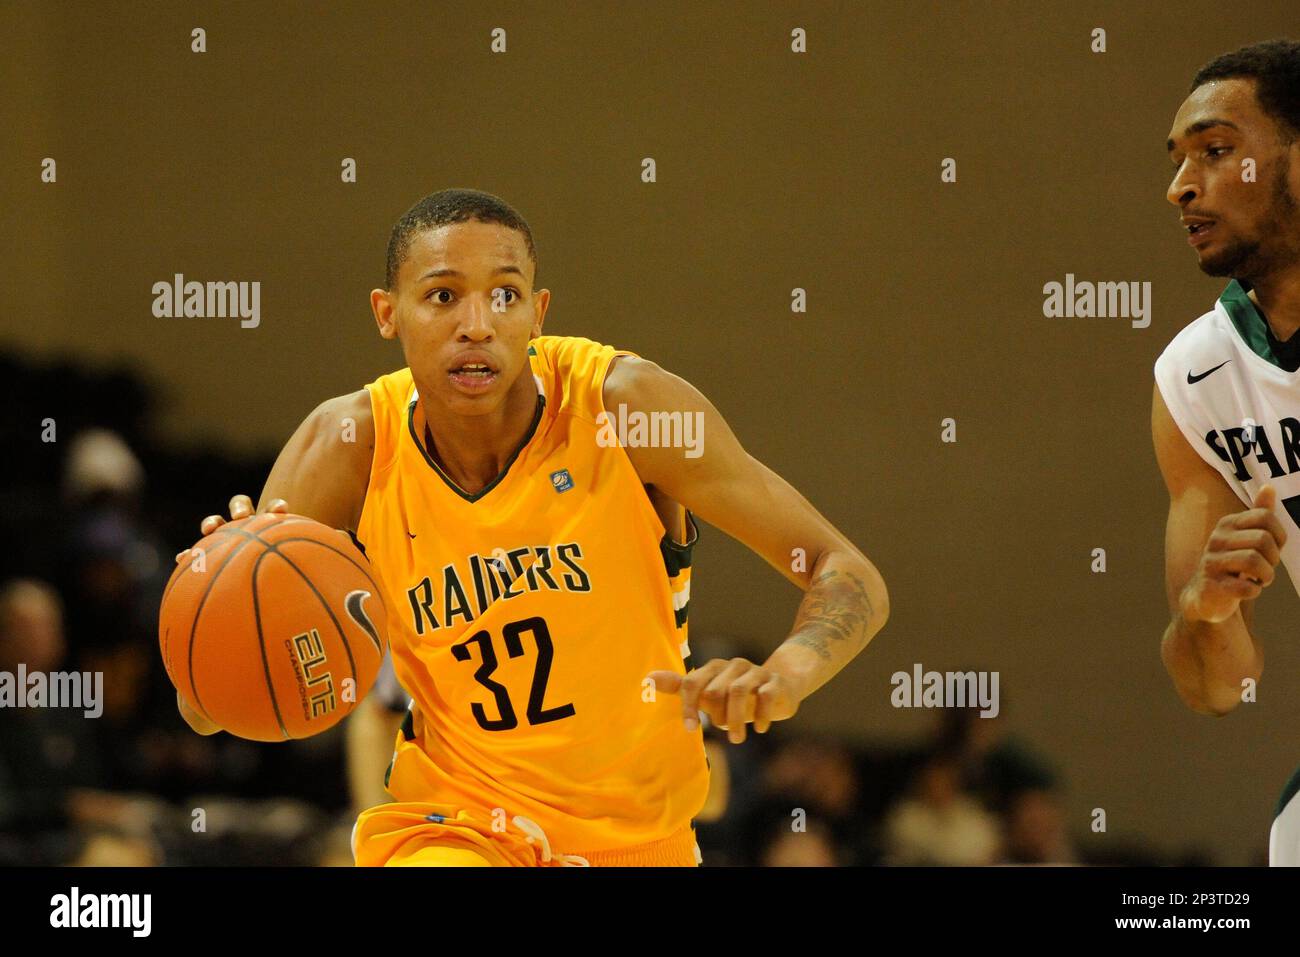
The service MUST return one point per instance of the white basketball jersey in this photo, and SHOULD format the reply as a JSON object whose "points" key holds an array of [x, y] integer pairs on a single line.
{"points": [[1284, 836], [1238, 407]]}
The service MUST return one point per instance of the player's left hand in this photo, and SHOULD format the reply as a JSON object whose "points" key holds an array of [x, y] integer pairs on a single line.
{"points": [[732, 693]]}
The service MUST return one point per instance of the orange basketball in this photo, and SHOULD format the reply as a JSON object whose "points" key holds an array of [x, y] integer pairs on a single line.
{"points": [[274, 628]]}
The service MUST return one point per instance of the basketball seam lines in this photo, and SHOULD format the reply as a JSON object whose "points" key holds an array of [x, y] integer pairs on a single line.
{"points": [[307, 538], [198, 613], [272, 548], [261, 641], [347, 647]]}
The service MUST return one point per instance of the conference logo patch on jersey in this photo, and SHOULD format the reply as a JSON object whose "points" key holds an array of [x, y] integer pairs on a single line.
{"points": [[562, 480]]}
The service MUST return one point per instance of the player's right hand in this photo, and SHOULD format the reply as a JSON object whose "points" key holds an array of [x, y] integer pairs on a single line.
{"points": [[241, 506], [1237, 562], [195, 720]]}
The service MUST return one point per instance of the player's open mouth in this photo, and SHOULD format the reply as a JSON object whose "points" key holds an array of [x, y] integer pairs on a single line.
{"points": [[1198, 231], [473, 376]]}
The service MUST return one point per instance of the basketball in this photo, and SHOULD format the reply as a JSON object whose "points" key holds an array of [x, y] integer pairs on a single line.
{"points": [[273, 628]]}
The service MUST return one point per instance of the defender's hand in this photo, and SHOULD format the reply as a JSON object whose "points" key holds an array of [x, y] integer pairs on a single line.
{"points": [[1237, 563], [732, 693]]}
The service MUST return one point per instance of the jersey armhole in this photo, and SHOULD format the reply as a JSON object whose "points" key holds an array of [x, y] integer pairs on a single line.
{"points": [[382, 458], [602, 375], [1197, 442], [684, 519]]}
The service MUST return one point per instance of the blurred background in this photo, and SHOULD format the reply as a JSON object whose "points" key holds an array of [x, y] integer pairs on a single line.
{"points": [[775, 170]]}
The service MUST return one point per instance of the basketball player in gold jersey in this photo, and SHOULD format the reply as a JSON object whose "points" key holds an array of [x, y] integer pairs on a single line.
{"points": [[533, 544]]}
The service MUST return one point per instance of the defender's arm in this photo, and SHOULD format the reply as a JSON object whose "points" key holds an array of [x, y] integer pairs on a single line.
{"points": [[1218, 558]]}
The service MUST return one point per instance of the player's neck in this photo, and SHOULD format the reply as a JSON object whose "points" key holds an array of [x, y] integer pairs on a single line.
{"points": [[1278, 298], [474, 449]]}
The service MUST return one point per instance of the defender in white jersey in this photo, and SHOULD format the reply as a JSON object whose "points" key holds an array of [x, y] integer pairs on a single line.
{"points": [[1226, 384], [1225, 411]]}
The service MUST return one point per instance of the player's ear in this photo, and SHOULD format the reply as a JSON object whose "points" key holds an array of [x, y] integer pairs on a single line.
{"points": [[541, 300], [382, 304]]}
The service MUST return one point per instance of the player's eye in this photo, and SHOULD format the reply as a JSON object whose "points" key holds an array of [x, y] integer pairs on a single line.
{"points": [[507, 291], [1217, 150], [436, 292]]}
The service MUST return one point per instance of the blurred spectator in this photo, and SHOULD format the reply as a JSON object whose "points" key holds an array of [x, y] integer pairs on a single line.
{"points": [[44, 752], [31, 626], [819, 779], [787, 847], [994, 764], [113, 575], [1013, 781], [105, 847], [939, 822], [101, 465], [1035, 829]]}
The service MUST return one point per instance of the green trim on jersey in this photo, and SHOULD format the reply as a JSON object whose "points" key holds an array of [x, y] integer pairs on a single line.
{"points": [[528, 437], [677, 556], [408, 734], [1288, 793], [1250, 323]]}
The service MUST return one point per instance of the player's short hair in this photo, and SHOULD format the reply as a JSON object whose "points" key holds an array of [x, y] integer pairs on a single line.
{"points": [[452, 206], [1274, 65]]}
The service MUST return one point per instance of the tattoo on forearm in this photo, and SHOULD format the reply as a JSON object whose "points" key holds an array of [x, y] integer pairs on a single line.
{"points": [[835, 608]]}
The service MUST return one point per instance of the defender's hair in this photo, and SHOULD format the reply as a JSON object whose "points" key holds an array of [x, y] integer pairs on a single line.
{"points": [[1274, 65]]}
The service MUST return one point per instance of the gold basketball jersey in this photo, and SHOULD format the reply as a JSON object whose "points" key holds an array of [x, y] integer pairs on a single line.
{"points": [[524, 619]]}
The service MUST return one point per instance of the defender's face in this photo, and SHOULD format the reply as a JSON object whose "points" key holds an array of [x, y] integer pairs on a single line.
{"points": [[465, 310], [1239, 222]]}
